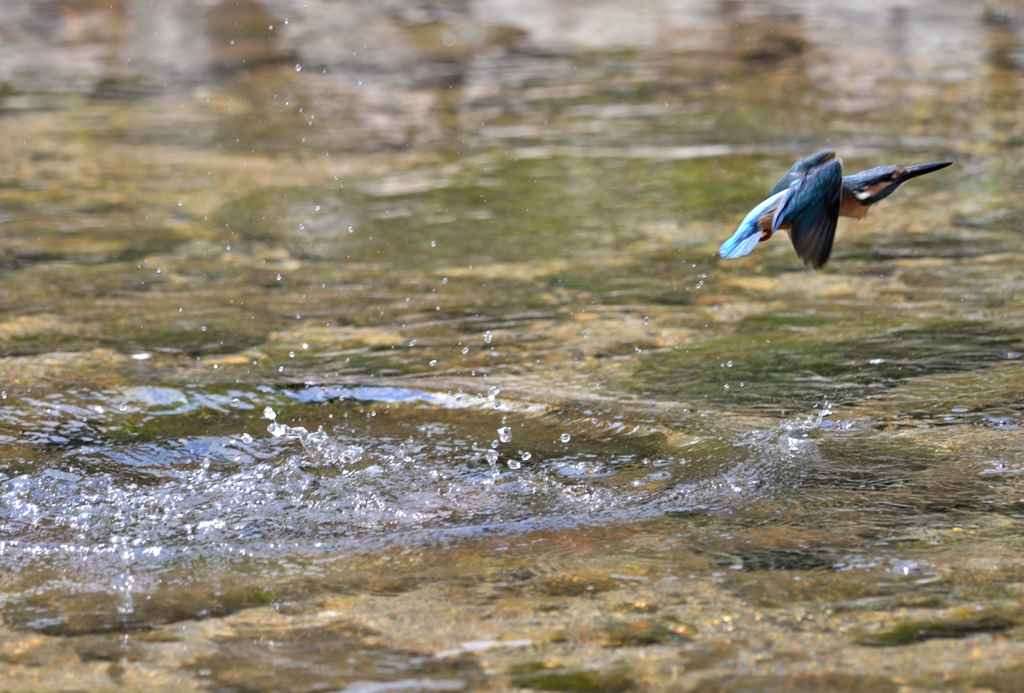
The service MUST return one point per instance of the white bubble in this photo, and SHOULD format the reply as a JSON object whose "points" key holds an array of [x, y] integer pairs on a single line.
{"points": [[504, 434], [246, 438], [487, 337], [269, 413], [565, 437], [491, 456], [433, 362], [298, 68]]}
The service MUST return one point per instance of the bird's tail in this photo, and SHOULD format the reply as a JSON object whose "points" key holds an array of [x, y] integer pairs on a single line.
{"points": [[748, 234]]}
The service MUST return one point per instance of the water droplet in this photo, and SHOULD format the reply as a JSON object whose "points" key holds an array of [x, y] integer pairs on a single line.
{"points": [[504, 434], [491, 456], [493, 392], [525, 456], [280, 369], [277, 430], [317, 208], [269, 413], [565, 437], [180, 203], [298, 68], [302, 227], [291, 354], [235, 402], [350, 229], [433, 244], [98, 409], [726, 386], [647, 320], [360, 82], [584, 334], [638, 350], [445, 280], [728, 364], [412, 342], [514, 464], [465, 350], [433, 362], [487, 337], [124, 405], [305, 345], [140, 357], [246, 438], [278, 277]]}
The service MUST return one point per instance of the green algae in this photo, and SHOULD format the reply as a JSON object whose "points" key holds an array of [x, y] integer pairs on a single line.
{"points": [[539, 676], [911, 632]]}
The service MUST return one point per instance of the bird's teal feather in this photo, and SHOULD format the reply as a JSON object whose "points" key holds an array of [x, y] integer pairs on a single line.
{"points": [[748, 235]]}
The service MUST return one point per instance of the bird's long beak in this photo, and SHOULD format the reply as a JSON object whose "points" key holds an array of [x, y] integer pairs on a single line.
{"points": [[921, 169]]}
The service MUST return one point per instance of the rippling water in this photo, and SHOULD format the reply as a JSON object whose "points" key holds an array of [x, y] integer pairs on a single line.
{"points": [[375, 348]]}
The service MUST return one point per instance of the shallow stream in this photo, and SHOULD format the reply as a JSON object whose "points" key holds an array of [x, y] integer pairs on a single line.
{"points": [[372, 347]]}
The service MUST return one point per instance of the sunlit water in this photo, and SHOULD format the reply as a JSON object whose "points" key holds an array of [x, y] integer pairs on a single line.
{"points": [[345, 348]]}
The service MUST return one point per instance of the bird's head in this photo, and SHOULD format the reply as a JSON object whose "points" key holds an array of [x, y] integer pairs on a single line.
{"points": [[878, 183]]}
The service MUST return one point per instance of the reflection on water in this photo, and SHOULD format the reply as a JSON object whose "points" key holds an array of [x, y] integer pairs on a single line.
{"points": [[384, 347]]}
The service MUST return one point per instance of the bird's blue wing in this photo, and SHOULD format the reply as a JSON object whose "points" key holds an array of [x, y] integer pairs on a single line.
{"points": [[810, 208], [748, 235], [800, 169]]}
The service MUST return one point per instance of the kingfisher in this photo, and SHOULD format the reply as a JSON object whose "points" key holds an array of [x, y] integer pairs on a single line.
{"points": [[808, 201]]}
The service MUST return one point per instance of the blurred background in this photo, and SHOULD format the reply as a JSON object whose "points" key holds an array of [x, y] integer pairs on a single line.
{"points": [[377, 346]]}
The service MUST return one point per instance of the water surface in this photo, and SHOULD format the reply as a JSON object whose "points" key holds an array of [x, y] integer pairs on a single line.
{"points": [[386, 348]]}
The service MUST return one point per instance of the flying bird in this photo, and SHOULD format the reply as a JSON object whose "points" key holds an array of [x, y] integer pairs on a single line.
{"points": [[808, 201]]}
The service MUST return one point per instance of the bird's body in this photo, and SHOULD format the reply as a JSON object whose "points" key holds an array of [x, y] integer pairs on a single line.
{"points": [[808, 201]]}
